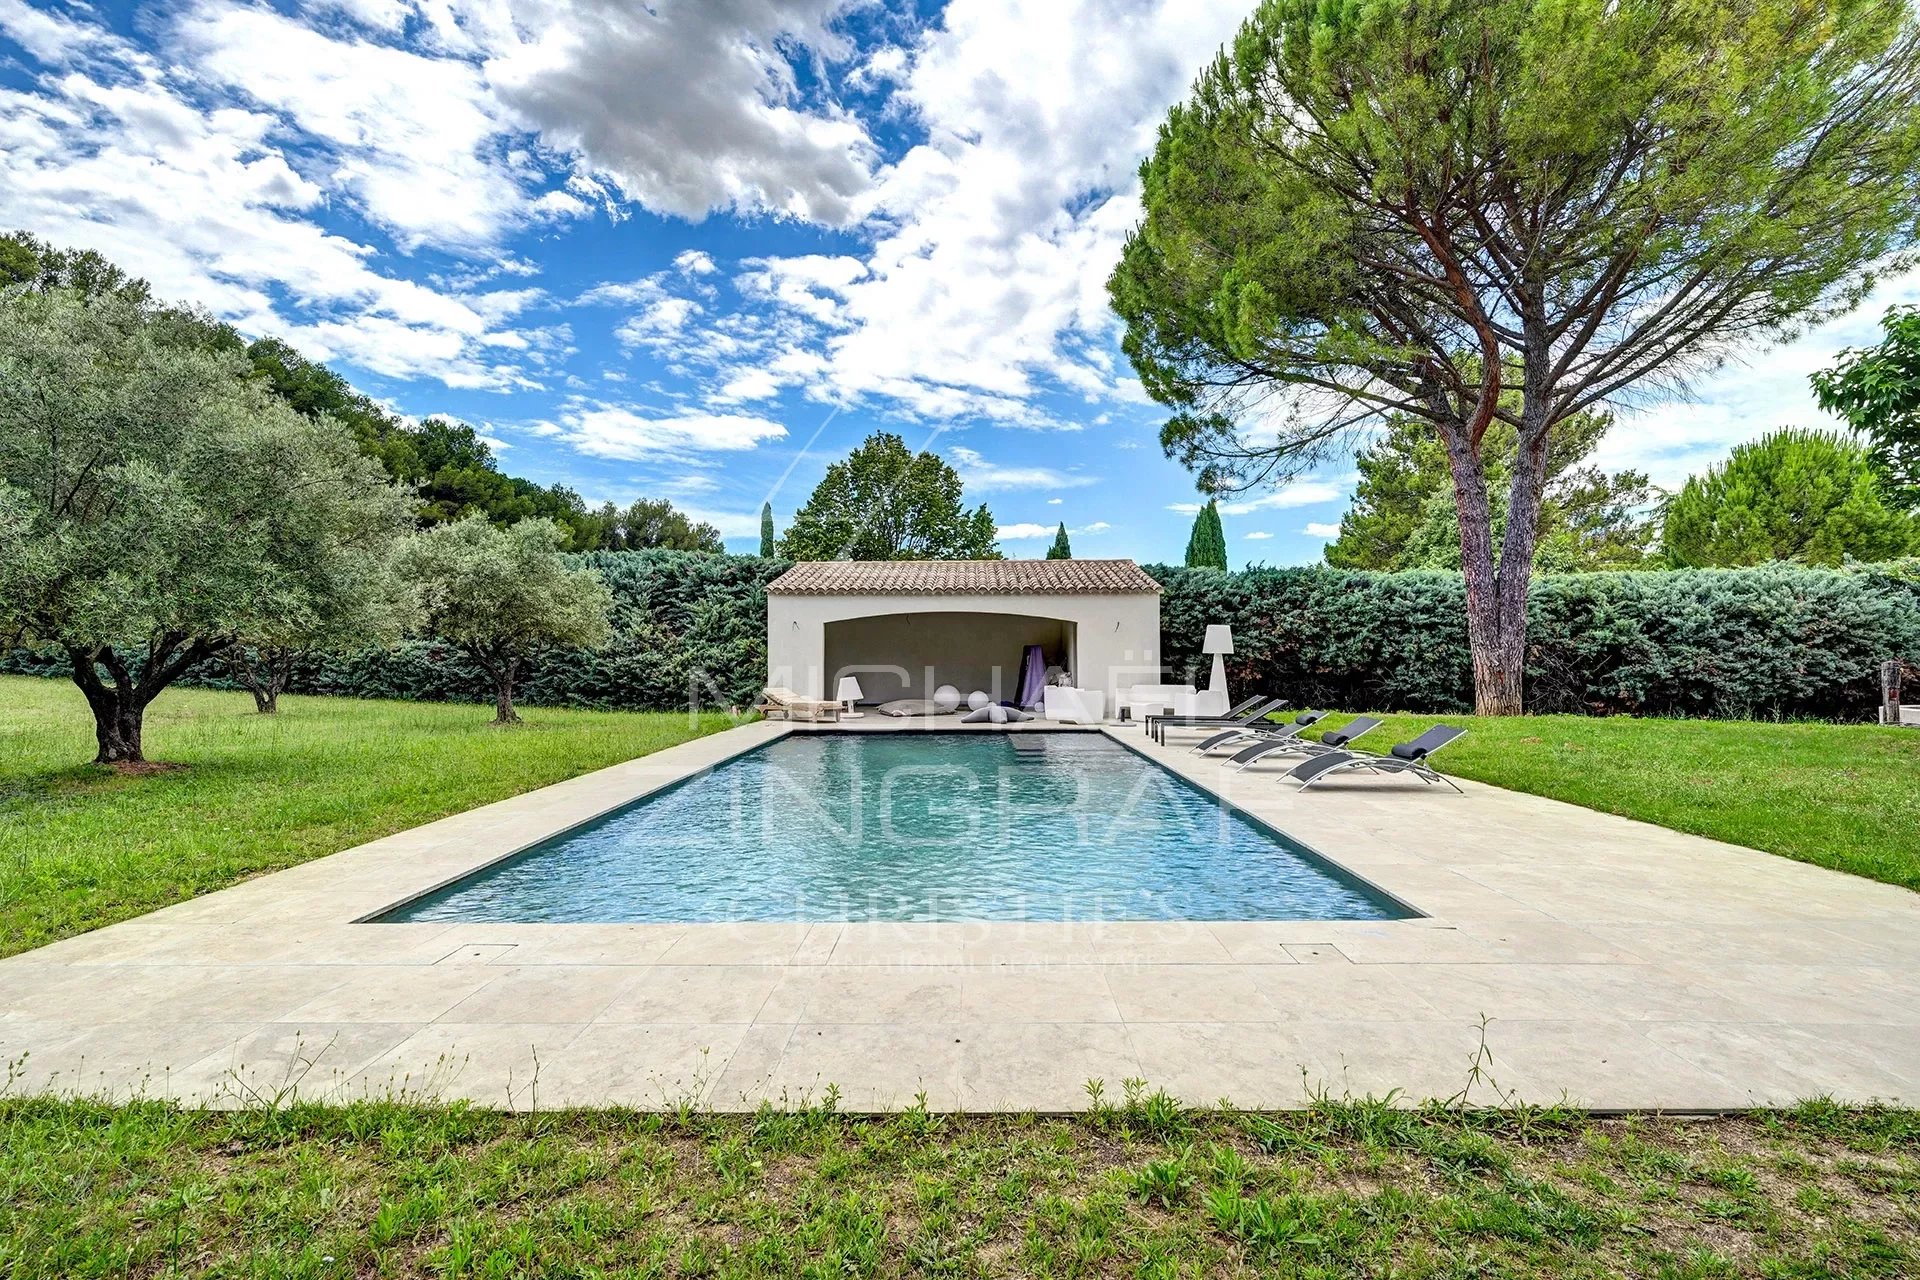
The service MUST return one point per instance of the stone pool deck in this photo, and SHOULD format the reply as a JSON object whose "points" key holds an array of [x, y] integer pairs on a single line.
{"points": [[1615, 964]]}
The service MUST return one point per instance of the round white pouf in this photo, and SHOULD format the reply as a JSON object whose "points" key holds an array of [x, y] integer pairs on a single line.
{"points": [[977, 699], [946, 698]]}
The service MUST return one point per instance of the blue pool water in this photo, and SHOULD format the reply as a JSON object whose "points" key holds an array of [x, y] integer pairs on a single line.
{"points": [[917, 826]]}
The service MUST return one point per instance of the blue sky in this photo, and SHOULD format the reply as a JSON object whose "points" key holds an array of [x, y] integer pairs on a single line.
{"points": [[698, 250]]}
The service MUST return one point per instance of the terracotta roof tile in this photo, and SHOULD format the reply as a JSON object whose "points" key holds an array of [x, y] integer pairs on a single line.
{"points": [[963, 578]]}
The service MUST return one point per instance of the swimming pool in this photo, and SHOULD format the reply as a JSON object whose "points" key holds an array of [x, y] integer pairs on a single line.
{"points": [[917, 826]]}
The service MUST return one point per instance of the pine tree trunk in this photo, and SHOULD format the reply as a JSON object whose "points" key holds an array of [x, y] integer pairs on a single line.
{"points": [[1496, 681]]}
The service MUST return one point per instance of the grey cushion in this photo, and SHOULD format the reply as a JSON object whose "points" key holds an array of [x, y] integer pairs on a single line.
{"points": [[996, 714], [909, 707]]}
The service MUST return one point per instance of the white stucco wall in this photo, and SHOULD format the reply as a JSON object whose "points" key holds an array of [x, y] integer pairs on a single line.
{"points": [[1116, 638]]}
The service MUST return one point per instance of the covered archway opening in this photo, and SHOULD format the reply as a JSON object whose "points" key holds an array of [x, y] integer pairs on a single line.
{"points": [[910, 654]]}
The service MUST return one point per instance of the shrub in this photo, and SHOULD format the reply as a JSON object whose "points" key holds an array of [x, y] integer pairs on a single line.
{"points": [[1772, 641]]}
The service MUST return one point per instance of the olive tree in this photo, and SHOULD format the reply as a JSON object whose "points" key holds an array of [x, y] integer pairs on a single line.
{"points": [[1505, 211], [158, 505], [504, 596]]}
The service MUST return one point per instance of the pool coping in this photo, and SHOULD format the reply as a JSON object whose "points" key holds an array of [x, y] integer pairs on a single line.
{"points": [[1600, 960]]}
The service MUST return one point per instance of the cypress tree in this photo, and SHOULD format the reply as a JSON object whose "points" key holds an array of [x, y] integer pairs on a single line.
{"points": [[766, 529], [1060, 550], [1207, 546]]}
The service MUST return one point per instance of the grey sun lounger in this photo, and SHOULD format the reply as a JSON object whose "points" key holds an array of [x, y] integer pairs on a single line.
{"points": [[1405, 757], [1261, 732], [1157, 726], [1330, 741]]}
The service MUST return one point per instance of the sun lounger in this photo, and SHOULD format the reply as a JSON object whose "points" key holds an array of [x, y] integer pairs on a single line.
{"points": [[1157, 726], [1405, 757], [1261, 732], [785, 704], [1331, 740]]}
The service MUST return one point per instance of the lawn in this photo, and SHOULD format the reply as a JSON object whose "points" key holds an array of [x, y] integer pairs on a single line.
{"points": [[82, 846], [1135, 1188], [1841, 796]]}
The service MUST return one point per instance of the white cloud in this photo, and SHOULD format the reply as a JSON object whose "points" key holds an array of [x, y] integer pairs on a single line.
{"points": [[978, 474], [986, 285], [417, 140], [1314, 529], [206, 205], [1054, 502], [687, 106], [661, 322], [619, 431], [1299, 493], [1027, 530], [693, 262], [1262, 533]]}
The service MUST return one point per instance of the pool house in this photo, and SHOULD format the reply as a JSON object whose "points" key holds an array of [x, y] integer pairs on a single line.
{"points": [[904, 629]]}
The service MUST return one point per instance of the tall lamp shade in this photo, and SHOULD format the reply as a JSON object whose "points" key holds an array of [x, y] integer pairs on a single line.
{"points": [[849, 693], [1219, 643]]}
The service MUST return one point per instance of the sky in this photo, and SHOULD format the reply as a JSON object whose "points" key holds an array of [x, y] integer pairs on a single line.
{"points": [[700, 249]]}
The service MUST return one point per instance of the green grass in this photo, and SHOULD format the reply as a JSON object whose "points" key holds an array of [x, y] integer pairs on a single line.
{"points": [[82, 846], [1142, 1188], [1840, 796]]}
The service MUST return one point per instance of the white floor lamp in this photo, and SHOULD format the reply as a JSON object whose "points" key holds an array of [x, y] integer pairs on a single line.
{"points": [[849, 693], [1219, 643]]}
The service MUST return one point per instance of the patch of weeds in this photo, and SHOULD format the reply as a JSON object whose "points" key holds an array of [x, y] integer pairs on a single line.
{"points": [[1162, 1182], [1158, 1114]]}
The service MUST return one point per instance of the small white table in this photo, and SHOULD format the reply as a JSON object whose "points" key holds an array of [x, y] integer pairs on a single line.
{"points": [[1074, 706]]}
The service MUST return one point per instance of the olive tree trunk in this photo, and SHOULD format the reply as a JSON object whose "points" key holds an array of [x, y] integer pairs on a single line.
{"points": [[265, 673], [119, 702], [504, 668]]}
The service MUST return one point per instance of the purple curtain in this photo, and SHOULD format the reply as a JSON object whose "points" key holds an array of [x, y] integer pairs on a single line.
{"points": [[1033, 677]]}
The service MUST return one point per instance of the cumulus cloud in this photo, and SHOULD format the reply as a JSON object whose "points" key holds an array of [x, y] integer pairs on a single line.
{"points": [[688, 106], [1262, 533], [984, 287], [1314, 529], [418, 141]]}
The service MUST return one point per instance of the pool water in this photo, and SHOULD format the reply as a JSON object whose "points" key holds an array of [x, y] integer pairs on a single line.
{"points": [[917, 826]]}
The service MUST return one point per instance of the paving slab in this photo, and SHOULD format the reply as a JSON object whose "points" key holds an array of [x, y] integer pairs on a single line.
{"points": [[1557, 954]]}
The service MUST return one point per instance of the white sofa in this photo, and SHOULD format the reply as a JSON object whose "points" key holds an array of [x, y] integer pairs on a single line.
{"points": [[1145, 700]]}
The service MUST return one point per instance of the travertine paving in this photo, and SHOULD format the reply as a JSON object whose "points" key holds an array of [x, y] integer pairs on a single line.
{"points": [[1572, 953]]}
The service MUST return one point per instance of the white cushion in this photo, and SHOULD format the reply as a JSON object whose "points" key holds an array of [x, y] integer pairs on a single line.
{"points": [[1207, 702]]}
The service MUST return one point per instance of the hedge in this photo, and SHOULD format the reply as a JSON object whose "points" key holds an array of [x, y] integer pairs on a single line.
{"points": [[1775, 641], [1770, 642]]}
